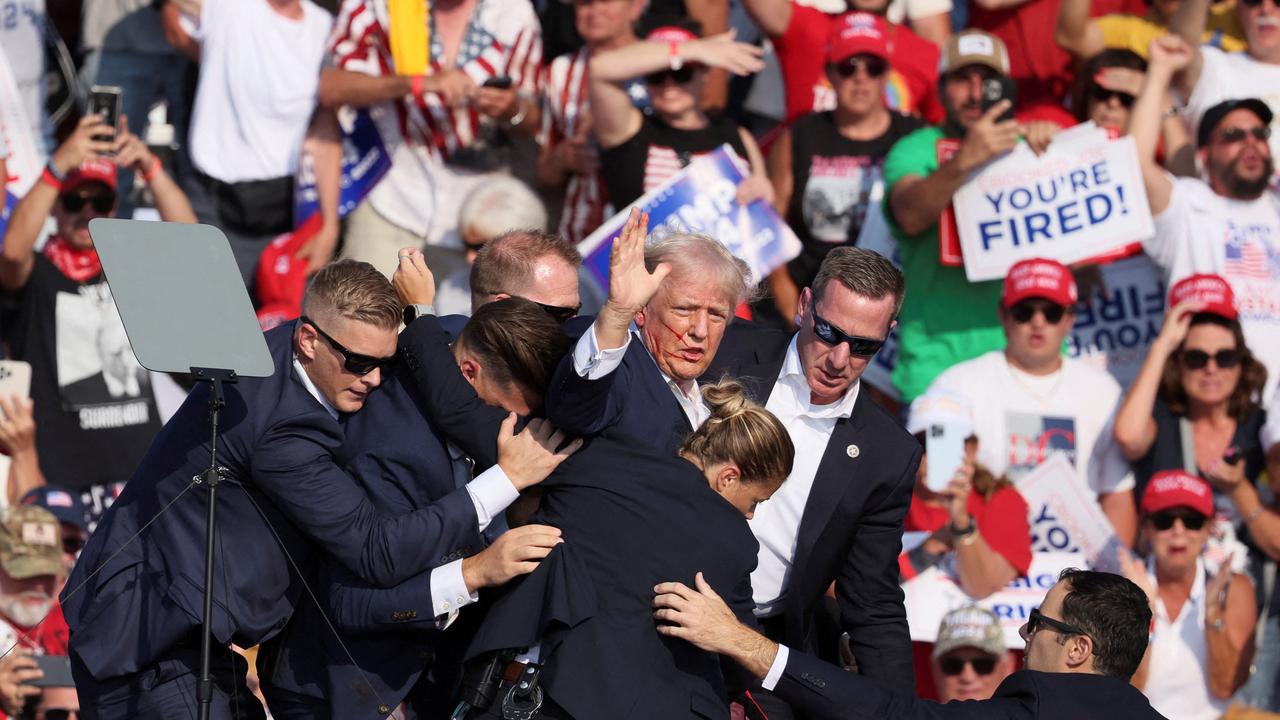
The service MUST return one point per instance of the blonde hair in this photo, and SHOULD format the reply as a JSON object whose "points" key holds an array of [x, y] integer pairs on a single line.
{"points": [[355, 291], [742, 432]]}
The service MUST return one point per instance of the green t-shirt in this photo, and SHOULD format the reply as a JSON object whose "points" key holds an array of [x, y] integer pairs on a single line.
{"points": [[945, 318]]}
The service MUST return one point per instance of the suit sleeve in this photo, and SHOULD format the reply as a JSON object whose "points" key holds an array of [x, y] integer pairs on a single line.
{"points": [[359, 607], [451, 403], [871, 599], [293, 466], [583, 406], [817, 689]]}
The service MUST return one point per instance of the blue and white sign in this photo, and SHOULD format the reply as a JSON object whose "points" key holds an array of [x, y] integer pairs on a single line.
{"points": [[700, 198], [364, 162], [1069, 204], [1114, 332]]}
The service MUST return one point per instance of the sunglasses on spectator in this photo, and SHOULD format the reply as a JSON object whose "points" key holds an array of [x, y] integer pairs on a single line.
{"points": [[952, 666], [560, 314], [873, 66], [1103, 95], [1234, 135], [1199, 359], [60, 714], [679, 77], [859, 346], [75, 203], [1163, 520], [1027, 309], [1037, 620], [352, 362]]}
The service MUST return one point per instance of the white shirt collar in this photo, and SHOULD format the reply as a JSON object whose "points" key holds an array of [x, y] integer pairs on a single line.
{"points": [[793, 376], [311, 388]]}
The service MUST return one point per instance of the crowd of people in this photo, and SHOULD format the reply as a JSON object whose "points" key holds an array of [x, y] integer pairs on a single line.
{"points": [[490, 480]]}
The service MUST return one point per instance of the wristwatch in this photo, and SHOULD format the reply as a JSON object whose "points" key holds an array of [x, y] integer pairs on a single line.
{"points": [[515, 120], [413, 312], [965, 536]]}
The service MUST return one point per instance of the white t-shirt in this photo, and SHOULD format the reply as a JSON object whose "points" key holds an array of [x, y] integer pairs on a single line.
{"points": [[1203, 232], [22, 42], [1228, 76], [258, 77], [1021, 420]]}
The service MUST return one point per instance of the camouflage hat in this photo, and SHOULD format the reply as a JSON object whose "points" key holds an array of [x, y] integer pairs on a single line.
{"points": [[30, 542], [969, 626]]}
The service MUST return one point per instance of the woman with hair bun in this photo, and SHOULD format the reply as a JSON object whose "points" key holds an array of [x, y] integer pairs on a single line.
{"points": [[632, 516]]}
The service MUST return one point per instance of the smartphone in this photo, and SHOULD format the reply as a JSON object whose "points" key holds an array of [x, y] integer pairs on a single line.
{"points": [[996, 89], [104, 100], [944, 447], [502, 82], [1233, 456], [15, 378], [56, 669]]}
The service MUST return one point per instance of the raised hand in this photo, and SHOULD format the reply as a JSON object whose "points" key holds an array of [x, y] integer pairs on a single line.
{"points": [[631, 285], [1177, 321], [722, 51], [83, 145], [131, 152], [1170, 52], [988, 137], [412, 279]]}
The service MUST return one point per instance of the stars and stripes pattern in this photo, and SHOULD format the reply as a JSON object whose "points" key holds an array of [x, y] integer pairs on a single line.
{"points": [[502, 39], [565, 113], [1245, 257]]}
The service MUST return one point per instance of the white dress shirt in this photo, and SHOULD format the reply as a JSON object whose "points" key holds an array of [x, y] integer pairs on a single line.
{"points": [[592, 363], [777, 522], [490, 493]]}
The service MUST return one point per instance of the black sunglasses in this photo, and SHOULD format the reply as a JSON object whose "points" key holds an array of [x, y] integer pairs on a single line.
{"points": [[1038, 619], [1102, 95], [560, 314], [951, 665], [1236, 134], [681, 76], [1027, 309], [1198, 359], [864, 347], [352, 362], [101, 203], [1163, 520], [873, 66]]}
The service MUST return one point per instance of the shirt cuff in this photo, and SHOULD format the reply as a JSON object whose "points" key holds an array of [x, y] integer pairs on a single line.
{"points": [[449, 592], [592, 363], [491, 492], [775, 670]]}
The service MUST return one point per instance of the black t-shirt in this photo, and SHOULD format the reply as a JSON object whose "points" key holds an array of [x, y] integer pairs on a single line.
{"points": [[95, 411], [658, 151], [835, 181]]}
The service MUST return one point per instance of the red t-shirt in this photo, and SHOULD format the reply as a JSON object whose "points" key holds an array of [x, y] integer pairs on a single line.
{"points": [[49, 637], [1002, 522], [1040, 67], [913, 80]]}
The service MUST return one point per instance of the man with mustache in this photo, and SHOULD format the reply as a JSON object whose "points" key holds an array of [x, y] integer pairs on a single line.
{"points": [[1227, 224], [30, 570]]}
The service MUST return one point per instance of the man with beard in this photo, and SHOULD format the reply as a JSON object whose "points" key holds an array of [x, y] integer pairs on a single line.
{"points": [[1228, 224], [30, 568]]}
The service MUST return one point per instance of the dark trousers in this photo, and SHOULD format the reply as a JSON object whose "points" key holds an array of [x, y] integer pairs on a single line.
{"points": [[166, 689]]}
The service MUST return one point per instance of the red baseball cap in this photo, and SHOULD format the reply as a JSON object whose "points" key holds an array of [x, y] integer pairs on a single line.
{"points": [[97, 170], [1177, 488], [1037, 278], [281, 278], [857, 33], [1211, 290]]}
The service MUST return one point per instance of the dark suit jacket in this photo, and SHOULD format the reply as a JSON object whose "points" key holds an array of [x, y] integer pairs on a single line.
{"points": [[851, 529], [632, 517], [283, 494], [825, 691], [634, 399]]}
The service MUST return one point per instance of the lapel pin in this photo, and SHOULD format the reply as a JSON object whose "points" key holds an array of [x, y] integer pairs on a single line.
{"points": [[852, 451]]}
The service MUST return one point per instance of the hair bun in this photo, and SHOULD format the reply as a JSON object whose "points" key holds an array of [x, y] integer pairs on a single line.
{"points": [[726, 399]]}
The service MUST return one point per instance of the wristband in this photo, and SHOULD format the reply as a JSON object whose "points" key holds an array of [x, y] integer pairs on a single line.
{"points": [[51, 180], [415, 87], [149, 174], [673, 55]]}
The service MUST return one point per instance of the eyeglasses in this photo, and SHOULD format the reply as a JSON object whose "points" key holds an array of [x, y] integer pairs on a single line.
{"points": [[830, 334], [1038, 619], [1103, 95], [352, 362], [1163, 520], [952, 665], [75, 203], [560, 314], [1232, 135], [60, 714], [1199, 359], [1025, 310], [680, 77], [873, 66]]}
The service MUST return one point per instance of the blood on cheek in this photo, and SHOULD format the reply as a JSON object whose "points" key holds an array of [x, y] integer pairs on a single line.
{"points": [[679, 336]]}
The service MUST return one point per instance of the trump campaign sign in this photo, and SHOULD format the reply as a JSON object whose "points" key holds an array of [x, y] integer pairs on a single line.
{"points": [[700, 198], [1082, 198]]}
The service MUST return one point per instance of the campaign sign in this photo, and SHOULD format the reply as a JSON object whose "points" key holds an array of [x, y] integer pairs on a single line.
{"points": [[364, 162], [1065, 517], [700, 198], [936, 592], [1066, 206], [1115, 332]]}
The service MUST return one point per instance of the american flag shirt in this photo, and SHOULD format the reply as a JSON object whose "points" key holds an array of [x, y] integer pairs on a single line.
{"points": [[1203, 232]]}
